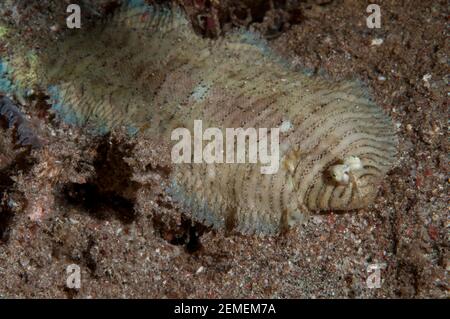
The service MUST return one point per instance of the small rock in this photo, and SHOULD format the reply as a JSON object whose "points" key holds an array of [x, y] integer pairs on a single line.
{"points": [[426, 78], [317, 220], [200, 270], [54, 28], [73, 221], [377, 41]]}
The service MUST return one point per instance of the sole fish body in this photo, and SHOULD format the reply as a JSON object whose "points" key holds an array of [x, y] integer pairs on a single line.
{"points": [[147, 70]]}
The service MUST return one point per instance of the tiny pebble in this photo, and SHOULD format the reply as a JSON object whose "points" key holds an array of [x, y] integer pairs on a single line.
{"points": [[200, 270], [377, 41], [54, 28]]}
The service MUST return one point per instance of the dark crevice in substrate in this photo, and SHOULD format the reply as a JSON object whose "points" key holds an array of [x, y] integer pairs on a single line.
{"points": [[6, 219], [42, 106], [88, 259], [101, 205], [187, 233], [110, 193]]}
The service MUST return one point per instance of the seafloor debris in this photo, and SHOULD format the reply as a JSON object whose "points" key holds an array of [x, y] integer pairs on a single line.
{"points": [[146, 69]]}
